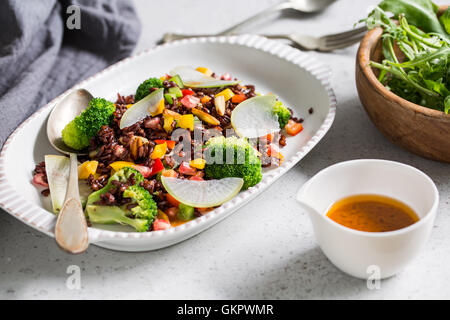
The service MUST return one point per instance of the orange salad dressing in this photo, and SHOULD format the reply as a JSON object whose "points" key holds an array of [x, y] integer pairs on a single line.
{"points": [[372, 213]]}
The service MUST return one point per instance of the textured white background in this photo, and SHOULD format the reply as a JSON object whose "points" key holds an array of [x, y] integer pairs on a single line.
{"points": [[267, 248]]}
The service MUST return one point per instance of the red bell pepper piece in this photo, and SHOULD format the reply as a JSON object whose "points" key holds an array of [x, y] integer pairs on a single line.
{"points": [[187, 92], [156, 167], [170, 143]]}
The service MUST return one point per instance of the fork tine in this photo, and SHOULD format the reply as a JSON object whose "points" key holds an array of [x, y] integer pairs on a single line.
{"points": [[344, 35], [335, 42], [341, 43]]}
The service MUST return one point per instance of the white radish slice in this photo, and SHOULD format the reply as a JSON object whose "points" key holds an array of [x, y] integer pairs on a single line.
{"points": [[195, 79], [202, 194], [255, 117], [143, 108], [57, 168]]}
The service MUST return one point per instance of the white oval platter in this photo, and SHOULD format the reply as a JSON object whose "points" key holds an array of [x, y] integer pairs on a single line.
{"points": [[300, 81]]}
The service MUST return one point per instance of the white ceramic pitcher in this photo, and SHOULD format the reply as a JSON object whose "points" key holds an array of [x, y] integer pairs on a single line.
{"points": [[361, 253]]}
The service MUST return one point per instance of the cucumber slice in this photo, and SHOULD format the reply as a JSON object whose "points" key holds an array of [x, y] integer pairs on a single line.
{"points": [[142, 108], [202, 194], [195, 79], [255, 117]]}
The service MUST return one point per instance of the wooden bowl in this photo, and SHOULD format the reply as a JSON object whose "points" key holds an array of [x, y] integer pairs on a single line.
{"points": [[421, 130]]}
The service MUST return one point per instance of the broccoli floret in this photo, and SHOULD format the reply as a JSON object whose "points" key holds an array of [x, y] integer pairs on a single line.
{"points": [[232, 157], [144, 88], [77, 133], [140, 216], [283, 114]]}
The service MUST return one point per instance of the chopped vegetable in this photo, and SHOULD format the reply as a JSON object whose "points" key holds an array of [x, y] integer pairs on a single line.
{"points": [[198, 163], [87, 168], [170, 143], [205, 117], [151, 104], [186, 122], [219, 103], [202, 194], [227, 94], [139, 216], [232, 157], [144, 88], [190, 101], [159, 151], [238, 98], [185, 212], [77, 133], [205, 71], [293, 128]]}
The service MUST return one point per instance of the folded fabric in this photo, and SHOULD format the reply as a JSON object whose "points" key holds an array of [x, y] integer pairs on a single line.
{"points": [[42, 53]]}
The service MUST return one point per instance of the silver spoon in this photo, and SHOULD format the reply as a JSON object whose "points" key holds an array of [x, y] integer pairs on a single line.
{"points": [[305, 6], [71, 232]]}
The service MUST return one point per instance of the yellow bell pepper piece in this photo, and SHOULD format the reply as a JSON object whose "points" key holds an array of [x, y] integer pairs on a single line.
{"points": [[205, 71], [198, 163], [162, 215], [186, 121], [159, 151], [168, 120], [86, 169], [171, 113], [227, 94], [129, 105], [159, 109], [117, 165]]}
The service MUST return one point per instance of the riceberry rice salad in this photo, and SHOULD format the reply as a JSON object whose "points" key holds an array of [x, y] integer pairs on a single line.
{"points": [[180, 146]]}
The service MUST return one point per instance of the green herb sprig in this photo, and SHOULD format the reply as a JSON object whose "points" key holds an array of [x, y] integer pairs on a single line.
{"points": [[420, 73]]}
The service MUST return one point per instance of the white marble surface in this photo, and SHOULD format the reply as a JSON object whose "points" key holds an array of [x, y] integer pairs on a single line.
{"points": [[266, 249]]}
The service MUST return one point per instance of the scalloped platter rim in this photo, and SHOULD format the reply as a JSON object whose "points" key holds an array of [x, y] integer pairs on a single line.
{"points": [[296, 78]]}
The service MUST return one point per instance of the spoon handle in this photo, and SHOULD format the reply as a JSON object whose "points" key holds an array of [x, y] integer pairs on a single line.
{"points": [[274, 8], [71, 232]]}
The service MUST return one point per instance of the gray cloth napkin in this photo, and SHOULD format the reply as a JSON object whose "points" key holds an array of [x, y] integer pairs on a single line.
{"points": [[40, 57]]}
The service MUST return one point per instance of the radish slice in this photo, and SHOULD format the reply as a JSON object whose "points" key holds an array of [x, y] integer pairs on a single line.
{"points": [[141, 109], [195, 79], [202, 194], [57, 168], [255, 118]]}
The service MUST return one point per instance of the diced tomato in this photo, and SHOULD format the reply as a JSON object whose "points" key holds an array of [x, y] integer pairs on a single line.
{"points": [[293, 128], [186, 169], [38, 180], [160, 224], [204, 210], [170, 143], [172, 200], [238, 98], [190, 101], [187, 92], [196, 178]]}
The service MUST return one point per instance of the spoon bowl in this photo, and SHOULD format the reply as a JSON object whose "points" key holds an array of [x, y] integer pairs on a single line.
{"points": [[64, 112], [71, 232]]}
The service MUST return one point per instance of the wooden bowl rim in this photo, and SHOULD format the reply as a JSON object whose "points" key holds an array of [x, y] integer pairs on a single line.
{"points": [[369, 41]]}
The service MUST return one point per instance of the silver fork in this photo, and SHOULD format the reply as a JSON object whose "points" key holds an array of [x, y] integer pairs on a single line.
{"points": [[325, 43]]}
